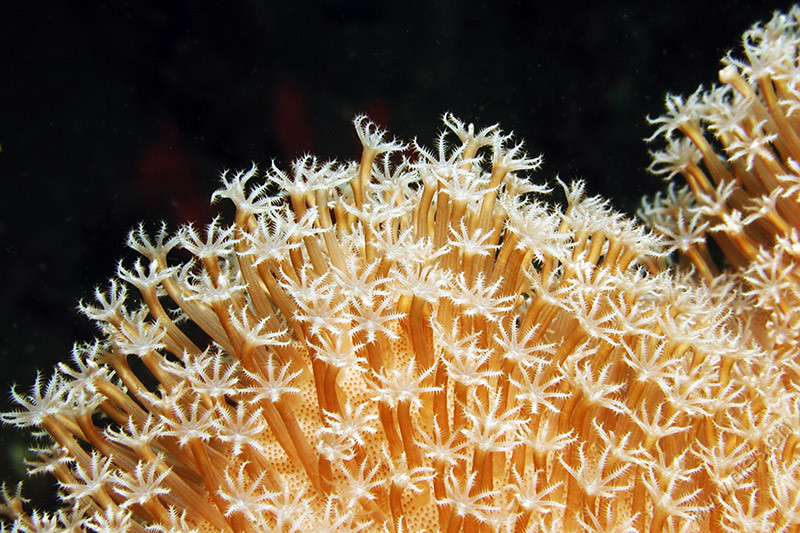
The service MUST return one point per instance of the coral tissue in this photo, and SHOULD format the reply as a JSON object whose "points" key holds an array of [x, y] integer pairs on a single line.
{"points": [[417, 341]]}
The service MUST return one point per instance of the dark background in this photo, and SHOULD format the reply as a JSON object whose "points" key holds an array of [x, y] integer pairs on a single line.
{"points": [[127, 111]]}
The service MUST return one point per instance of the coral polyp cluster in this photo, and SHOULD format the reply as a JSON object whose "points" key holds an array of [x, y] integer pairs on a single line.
{"points": [[421, 341], [415, 344]]}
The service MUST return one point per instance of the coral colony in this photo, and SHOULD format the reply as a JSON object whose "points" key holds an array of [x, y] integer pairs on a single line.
{"points": [[418, 341]]}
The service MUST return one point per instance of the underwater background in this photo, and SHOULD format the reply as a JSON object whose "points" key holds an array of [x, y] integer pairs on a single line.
{"points": [[112, 113]]}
